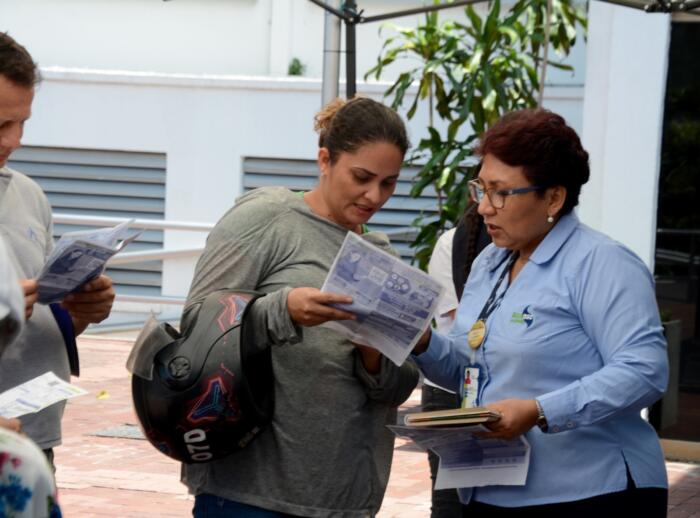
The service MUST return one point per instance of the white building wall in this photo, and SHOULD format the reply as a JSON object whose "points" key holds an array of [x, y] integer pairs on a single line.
{"points": [[627, 62], [219, 37], [192, 36]]}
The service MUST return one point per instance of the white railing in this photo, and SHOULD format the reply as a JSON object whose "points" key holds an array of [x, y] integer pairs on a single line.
{"points": [[152, 224], [155, 255]]}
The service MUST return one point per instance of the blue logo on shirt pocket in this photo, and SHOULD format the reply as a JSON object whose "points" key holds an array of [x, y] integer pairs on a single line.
{"points": [[524, 317]]}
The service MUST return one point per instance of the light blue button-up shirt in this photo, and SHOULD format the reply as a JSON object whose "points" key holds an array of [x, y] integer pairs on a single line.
{"points": [[579, 331]]}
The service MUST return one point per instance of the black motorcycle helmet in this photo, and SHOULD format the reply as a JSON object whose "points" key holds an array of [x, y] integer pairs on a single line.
{"points": [[205, 395]]}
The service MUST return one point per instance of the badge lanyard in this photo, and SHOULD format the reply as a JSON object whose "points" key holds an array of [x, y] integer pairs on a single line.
{"points": [[477, 333]]}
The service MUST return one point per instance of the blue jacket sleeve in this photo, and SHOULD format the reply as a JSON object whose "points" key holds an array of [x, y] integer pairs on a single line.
{"points": [[441, 363]]}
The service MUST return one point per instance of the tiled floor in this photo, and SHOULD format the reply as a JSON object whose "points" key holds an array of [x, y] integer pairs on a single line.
{"points": [[117, 477]]}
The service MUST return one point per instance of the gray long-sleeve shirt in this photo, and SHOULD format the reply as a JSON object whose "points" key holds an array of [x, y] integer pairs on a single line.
{"points": [[26, 227], [327, 452]]}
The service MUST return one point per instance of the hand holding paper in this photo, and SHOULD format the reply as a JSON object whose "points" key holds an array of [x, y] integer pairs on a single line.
{"points": [[311, 307], [30, 289], [517, 417], [93, 302], [36, 394], [14, 425], [78, 258], [393, 302]]}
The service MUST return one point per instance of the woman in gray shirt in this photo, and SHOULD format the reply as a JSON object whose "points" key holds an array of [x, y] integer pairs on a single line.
{"points": [[327, 452]]}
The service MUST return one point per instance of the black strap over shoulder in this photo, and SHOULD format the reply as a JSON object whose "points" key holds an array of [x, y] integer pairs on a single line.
{"points": [[461, 244]]}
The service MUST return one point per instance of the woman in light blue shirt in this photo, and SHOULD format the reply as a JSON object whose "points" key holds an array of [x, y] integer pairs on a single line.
{"points": [[559, 325]]}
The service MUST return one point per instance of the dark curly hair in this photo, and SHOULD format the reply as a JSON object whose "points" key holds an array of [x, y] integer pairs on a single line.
{"points": [[547, 149], [16, 64]]}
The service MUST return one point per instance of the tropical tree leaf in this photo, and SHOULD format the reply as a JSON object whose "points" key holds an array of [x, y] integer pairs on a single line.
{"points": [[469, 71]]}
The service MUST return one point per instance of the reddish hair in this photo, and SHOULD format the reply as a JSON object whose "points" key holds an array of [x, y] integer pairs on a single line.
{"points": [[548, 150]]}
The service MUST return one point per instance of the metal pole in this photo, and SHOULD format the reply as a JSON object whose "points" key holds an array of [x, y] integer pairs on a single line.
{"points": [[327, 7], [350, 81], [331, 55], [545, 57], [351, 19]]}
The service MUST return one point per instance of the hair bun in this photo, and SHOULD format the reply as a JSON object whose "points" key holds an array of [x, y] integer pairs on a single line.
{"points": [[322, 120]]}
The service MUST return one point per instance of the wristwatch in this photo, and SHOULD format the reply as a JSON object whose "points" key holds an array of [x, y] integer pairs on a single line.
{"points": [[541, 419]]}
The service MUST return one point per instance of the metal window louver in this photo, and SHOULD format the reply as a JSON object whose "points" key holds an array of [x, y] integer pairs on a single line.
{"points": [[104, 183]]}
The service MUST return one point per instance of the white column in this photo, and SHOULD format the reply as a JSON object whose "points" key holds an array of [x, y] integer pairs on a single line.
{"points": [[281, 37], [626, 65], [331, 54]]}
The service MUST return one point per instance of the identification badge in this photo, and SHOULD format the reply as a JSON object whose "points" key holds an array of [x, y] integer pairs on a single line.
{"points": [[476, 334], [470, 388]]}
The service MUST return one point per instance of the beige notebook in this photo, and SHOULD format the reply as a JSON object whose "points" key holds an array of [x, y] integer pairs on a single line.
{"points": [[453, 417]]}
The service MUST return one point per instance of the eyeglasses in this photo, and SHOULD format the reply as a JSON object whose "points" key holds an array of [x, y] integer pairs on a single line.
{"points": [[497, 198]]}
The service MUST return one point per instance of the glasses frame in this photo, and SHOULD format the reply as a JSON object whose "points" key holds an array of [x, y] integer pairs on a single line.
{"points": [[475, 188]]}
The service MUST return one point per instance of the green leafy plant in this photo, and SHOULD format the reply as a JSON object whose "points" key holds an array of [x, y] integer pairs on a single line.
{"points": [[469, 73], [296, 67]]}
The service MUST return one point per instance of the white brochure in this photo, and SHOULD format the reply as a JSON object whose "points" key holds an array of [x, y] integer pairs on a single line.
{"points": [[36, 394], [393, 301], [469, 461], [79, 257]]}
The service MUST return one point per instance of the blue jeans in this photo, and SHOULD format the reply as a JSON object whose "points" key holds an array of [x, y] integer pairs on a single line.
{"points": [[210, 506]]}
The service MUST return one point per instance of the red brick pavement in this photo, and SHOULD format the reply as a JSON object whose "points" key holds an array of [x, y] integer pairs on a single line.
{"points": [[118, 477]]}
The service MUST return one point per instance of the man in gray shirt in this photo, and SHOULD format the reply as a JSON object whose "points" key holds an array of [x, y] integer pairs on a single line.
{"points": [[27, 230]]}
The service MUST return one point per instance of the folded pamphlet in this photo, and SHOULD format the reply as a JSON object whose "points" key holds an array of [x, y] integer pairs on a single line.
{"points": [[467, 458], [36, 394], [393, 302], [79, 257]]}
